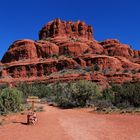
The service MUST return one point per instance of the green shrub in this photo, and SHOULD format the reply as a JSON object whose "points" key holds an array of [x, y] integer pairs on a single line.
{"points": [[86, 92], [105, 100], [128, 93], [10, 100], [88, 69], [78, 94], [3, 86], [135, 56], [96, 67], [36, 89], [123, 96], [133, 71], [108, 95], [102, 104], [106, 71], [125, 71]]}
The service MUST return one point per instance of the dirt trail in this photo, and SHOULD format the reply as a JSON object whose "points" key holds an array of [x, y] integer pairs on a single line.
{"points": [[73, 124]]}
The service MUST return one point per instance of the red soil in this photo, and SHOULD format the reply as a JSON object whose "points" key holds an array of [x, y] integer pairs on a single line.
{"points": [[73, 124]]}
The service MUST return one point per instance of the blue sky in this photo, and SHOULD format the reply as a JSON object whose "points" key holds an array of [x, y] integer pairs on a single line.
{"points": [[22, 19]]}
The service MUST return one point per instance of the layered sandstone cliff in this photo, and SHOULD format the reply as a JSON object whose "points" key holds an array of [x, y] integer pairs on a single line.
{"points": [[68, 51]]}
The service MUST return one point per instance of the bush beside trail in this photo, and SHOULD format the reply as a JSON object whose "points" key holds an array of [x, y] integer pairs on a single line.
{"points": [[73, 94], [77, 94], [120, 98], [10, 100], [123, 96], [64, 95]]}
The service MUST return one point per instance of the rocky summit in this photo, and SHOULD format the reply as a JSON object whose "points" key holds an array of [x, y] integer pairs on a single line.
{"points": [[68, 51]]}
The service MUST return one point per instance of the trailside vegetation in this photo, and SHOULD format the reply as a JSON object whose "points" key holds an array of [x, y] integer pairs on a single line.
{"points": [[10, 100], [72, 94]]}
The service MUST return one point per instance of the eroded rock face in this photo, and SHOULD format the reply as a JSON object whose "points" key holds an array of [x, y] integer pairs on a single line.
{"points": [[19, 50], [113, 47], [28, 49], [67, 51], [136, 53], [69, 29], [45, 49]]}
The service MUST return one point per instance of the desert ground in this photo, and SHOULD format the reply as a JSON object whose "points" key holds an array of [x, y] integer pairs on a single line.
{"points": [[72, 124]]}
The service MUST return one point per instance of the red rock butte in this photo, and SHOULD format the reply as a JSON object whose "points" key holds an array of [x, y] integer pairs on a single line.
{"points": [[68, 29], [67, 51]]}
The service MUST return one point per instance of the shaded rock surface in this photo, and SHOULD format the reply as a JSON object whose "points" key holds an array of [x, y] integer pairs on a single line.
{"points": [[68, 51]]}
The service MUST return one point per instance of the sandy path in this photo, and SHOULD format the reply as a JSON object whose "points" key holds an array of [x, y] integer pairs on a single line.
{"points": [[73, 124]]}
